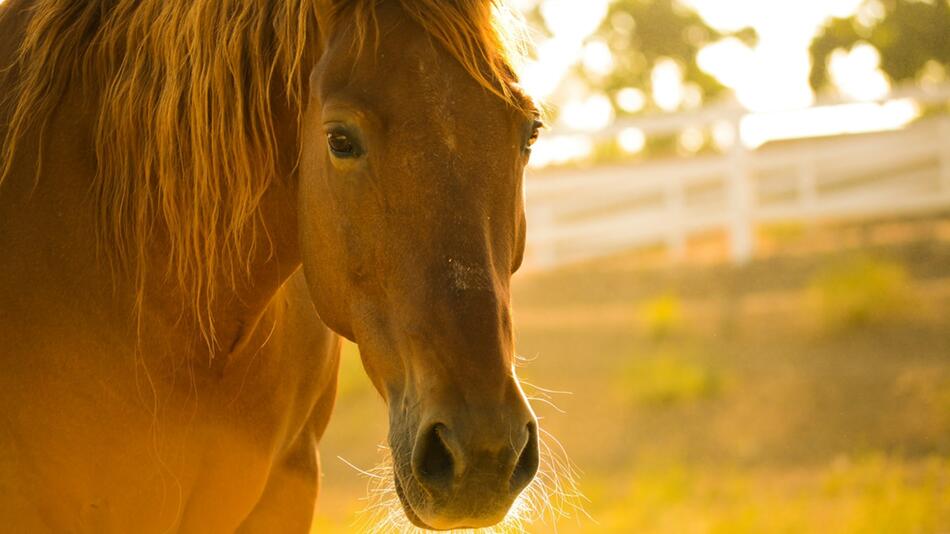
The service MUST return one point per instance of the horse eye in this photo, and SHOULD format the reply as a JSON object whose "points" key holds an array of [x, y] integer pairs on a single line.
{"points": [[340, 145], [535, 133]]}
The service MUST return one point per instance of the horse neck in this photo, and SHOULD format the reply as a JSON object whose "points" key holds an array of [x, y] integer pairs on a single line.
{"points": [[239, 299], [52, 250], [241, 305]]}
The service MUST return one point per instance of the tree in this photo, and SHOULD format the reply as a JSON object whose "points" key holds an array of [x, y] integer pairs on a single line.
{"points": [[641, 33], [908, 34]]}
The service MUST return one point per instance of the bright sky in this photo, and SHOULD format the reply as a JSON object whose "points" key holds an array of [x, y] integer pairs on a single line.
{"points": [[773, 75], [770, 79]]}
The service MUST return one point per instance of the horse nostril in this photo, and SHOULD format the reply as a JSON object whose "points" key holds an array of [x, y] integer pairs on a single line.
{"points": [[432, 462], [528, 461]]}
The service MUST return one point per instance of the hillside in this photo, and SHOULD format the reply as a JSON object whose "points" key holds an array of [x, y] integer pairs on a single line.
{"points": [[806, 392]]}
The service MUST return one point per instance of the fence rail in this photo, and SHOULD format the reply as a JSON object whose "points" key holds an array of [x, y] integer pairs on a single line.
{"points": [[581, 214]]}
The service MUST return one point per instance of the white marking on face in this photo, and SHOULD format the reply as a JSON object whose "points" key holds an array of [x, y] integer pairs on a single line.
{"points": [[467, 277], [450, 141]]}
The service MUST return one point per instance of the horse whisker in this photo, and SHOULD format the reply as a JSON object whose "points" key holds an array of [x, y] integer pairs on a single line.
{"points": [[357, 469], [548, 402], [553, 495], [545, 390]]}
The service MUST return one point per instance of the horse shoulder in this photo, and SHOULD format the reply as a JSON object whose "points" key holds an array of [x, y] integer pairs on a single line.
{"points": [[287, 503]]}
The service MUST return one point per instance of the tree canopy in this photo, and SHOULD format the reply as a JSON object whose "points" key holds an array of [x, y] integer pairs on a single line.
{"points": [[642, 33], [908, 34]]}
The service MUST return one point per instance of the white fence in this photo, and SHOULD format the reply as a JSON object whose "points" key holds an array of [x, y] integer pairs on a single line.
{"points": [[581, 214]]}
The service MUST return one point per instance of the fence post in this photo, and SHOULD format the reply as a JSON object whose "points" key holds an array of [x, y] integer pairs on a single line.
{"points": [[741, 200], [808, 187], [943, 147], [676, 233]]}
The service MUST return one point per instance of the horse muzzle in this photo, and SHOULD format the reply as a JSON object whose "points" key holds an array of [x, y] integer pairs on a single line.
{"points": [[466, 472]]}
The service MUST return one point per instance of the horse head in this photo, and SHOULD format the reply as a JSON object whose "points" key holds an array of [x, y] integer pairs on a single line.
{"points": [[412, 223]]}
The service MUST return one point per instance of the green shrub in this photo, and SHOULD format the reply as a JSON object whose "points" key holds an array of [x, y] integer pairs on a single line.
{"points": [[785, 233], [667, 378], [860, 292], [662, 316]]}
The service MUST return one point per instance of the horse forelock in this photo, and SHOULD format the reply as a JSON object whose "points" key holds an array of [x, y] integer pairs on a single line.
{"points": [[487, 37]]}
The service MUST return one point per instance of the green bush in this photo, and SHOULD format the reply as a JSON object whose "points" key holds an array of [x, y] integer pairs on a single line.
{"points": [[662, 316], [860, 292], [785, 233], [667, 378]]}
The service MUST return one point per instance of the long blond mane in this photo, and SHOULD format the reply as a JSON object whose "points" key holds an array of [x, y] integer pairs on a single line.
{"points": [[183, 97]]}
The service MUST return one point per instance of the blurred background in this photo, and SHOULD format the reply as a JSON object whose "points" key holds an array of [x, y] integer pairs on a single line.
{"points": [[734, 312]]}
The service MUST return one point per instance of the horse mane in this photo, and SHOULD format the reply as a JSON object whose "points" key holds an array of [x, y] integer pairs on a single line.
{"points": [[182, 96]]}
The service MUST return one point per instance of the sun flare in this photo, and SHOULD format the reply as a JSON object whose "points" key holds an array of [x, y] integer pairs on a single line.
{"points": [[769, 78]]}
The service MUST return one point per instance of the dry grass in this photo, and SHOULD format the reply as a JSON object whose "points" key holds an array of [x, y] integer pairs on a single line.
{"points": [[748, 416]]}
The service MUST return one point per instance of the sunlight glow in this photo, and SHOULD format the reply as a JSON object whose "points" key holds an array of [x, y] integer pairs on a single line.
{"points": [[561, 149], [631, 99], [667, 82], [632, 140], [760, 128], [592, 114], [570, 23], [729, 60], [573, 20], [692, 96], [871, 12], [691, 139], [933, 74], [770, 79], [857, 73], [773, 75], [723, 135], [597, 58], [733, 15], [541, 77]]}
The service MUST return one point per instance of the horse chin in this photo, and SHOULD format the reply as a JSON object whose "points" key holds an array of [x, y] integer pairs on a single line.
{"points": [[417, 521], [411, 514]]}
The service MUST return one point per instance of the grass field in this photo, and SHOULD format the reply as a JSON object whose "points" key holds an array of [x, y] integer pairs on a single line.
{"points": [[806, 392]]}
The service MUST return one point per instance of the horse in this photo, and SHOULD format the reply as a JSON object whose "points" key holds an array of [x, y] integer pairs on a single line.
{"points": [[199, 200]]}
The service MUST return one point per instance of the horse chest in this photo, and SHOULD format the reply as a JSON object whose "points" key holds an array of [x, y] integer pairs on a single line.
{"points": [[122, 447]]}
